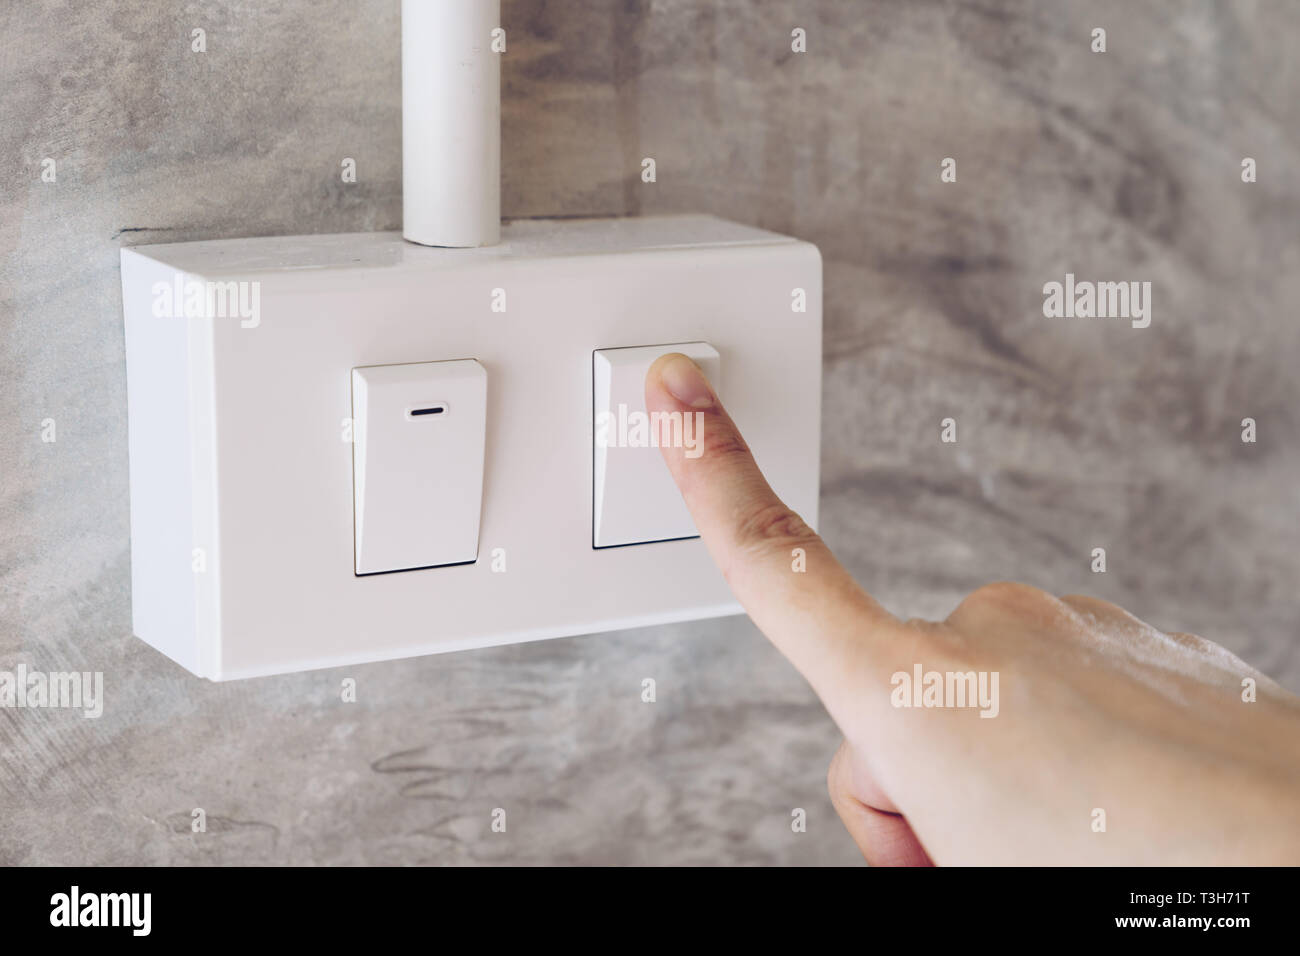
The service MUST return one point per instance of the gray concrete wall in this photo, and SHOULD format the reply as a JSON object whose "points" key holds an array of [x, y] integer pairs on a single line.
{"points": [[1073, 434]]}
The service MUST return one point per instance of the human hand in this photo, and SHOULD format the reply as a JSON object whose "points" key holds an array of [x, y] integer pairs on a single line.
{"points": [[1086, 708]]}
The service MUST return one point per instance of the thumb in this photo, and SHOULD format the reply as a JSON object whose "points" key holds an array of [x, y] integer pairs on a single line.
{"points": [[820, 619]]}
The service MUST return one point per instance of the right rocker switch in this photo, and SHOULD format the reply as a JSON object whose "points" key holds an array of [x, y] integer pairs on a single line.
{"points": [[634, 498]]}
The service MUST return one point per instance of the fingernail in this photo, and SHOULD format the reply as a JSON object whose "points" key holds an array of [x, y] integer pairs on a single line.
{"points": [[686, 382]]}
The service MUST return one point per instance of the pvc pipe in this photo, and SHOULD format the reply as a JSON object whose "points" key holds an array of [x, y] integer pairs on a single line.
{"points": [[451, 123]]}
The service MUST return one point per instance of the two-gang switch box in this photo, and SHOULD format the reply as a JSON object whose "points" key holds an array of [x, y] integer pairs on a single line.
{"points": [[350, 448]]}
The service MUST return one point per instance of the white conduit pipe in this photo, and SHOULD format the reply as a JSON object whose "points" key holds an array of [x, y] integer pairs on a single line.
{"points": [[451, 123]]}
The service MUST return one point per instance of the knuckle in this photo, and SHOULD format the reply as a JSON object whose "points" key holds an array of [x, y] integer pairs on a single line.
{"points": [[1193, 642], [724, 442], [769, 525], [1000, 598]]}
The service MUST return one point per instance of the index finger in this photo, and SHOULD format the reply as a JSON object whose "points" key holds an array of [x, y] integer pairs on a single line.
{"points": [[820, 619]]}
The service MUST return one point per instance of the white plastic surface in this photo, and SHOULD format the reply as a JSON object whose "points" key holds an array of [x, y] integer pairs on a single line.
{"points": [[242, 506], [635, 500], [451, 123], [417, 464]]}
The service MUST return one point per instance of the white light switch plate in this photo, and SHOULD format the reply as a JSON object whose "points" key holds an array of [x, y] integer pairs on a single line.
{"points": [[239, 362]]}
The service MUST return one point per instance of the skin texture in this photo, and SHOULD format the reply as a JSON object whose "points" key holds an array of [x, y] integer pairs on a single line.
{"points": [[1097, 710]]}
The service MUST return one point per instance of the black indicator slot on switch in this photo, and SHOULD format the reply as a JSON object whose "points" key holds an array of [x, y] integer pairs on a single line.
{"points": [[430, 410]]}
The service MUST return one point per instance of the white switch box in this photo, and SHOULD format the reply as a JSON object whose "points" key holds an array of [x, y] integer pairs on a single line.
{"points": [[240, 359], [635, 500], [417, 464]]}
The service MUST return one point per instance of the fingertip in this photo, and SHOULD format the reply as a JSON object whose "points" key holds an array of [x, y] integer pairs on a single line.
{"points": [[679, 378]]}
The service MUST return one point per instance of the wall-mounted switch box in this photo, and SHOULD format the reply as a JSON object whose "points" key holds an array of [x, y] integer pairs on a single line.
{"points": [[273, 384], [417, 464], [634, 498]]}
